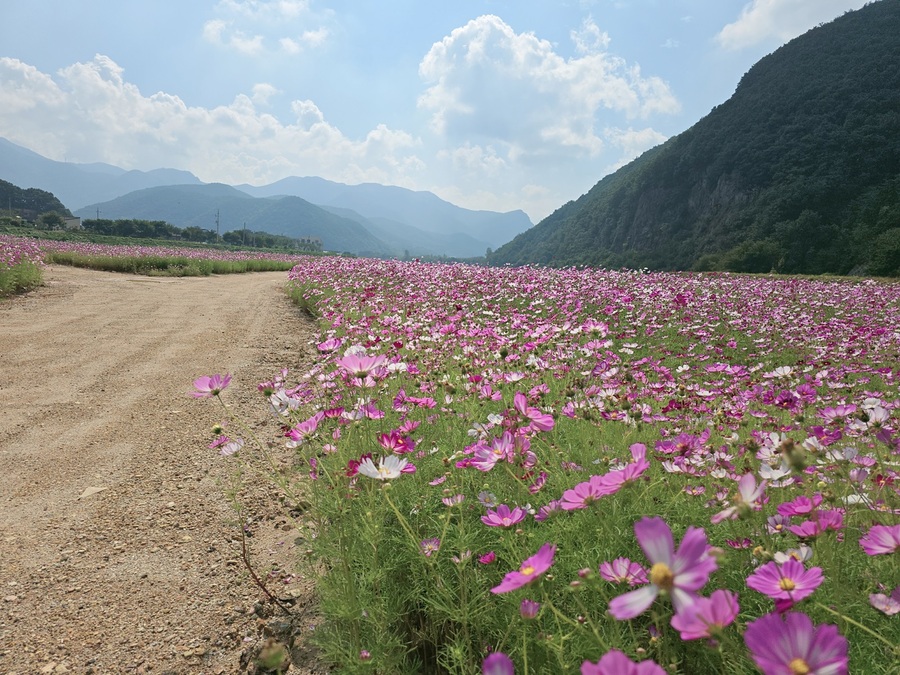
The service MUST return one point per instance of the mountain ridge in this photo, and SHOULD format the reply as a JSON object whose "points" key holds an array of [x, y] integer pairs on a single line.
{"points": [[418, 223], [798, 171]]}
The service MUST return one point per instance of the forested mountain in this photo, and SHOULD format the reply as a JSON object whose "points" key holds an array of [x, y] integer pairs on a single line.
{"points": [[31, 201], [187, 206], [799, 171]]}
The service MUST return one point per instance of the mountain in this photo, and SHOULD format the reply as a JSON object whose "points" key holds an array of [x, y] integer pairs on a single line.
{"points": [[32, 200], [77, 185], [202, 205], [416, 222], [396, 208], [799, 171]]}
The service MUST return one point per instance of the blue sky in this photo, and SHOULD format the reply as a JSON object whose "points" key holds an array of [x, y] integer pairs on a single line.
{"points": [[490, 104]]}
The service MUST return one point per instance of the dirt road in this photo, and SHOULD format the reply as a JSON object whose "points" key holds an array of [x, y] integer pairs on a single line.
{"points": [[118, 552]]}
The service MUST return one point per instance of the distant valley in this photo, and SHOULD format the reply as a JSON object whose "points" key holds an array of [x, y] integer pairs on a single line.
{"points": [[366, 219]]}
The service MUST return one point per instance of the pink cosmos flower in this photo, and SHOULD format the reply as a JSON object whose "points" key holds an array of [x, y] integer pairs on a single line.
{"points": [[794, 645], [585, 494], [360, 366], [615, 662], [497, 663], [502, 448], [748, 497], [231, 447], [789, 580], [430, 546], [821, 522], [552, 507], [529, 609], [503, 516], [537, 421], [487, 558], [622, 570], [707, 616], [530, 570], [800, 506], [615, 480], [679, 574], [881, 539], [303, 430], [329, 345], [889, 604], [210, 386]]}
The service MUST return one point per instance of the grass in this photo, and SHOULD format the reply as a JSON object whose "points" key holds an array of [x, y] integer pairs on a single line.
{"points": [[19, 278]]}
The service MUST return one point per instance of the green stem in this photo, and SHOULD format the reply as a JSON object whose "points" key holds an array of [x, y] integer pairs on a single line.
{"points": [[894, 648]]}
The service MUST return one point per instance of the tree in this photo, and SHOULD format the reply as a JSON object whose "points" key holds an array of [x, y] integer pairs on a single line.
{"points": [[51, 221]]}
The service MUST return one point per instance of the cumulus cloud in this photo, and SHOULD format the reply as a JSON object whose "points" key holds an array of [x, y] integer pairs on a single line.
{"points": [[255, 27], [782, 20], [263, 92], [492, 86], [89, 112]]}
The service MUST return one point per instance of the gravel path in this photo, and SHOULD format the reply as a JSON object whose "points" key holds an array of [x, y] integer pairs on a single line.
{"points": [[118, 549]]}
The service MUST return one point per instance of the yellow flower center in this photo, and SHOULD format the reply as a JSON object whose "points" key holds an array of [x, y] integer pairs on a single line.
{"points": [[799, 667], [527, 570], [661, 575], [788, 585]]}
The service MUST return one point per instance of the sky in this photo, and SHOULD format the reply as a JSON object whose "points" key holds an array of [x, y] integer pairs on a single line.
{"points": [[489, 104]]}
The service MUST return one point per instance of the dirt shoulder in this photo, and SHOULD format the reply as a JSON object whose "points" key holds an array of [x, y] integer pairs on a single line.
{"points": [[118, 549]]}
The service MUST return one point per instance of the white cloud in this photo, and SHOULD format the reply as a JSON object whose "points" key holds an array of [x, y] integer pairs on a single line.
{"points": [[263, 92], [632, 143], [491, 86], [250, 26], [88, 112], [783, 20], [589, 40]]}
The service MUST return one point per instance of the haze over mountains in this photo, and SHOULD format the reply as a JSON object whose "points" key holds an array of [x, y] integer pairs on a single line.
{"points": [[799, 171], [365, 219]]}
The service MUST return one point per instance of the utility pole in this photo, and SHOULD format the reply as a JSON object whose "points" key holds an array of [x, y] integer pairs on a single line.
{"points": [[98, 214], [244, 235], [218, 239]]}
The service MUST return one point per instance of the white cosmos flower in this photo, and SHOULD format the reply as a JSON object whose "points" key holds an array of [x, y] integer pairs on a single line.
{"points": [[388, 467]]}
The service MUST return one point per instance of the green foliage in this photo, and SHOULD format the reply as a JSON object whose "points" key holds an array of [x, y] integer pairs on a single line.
{"points": [[28, 203], [802, 159], [172, 266], [19, 278]]}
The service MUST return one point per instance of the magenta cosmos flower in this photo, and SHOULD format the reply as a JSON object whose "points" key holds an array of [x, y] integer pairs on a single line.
{"points": [[209, 386], [679, 575], [615, 662], [503, 516], [497, 663], [707, 616], [795, 645], [881, 539], [531, 569], [789, 580]]}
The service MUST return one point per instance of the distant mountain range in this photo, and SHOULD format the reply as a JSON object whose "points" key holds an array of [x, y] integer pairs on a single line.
{"points": [[366, 219], [798, 172]]}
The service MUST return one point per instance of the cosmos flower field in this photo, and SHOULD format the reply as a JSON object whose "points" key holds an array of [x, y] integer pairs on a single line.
{"points": [[18, 254], [20, 264], [552, 471]]}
